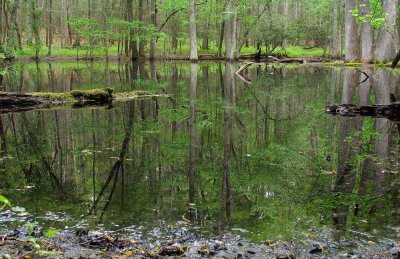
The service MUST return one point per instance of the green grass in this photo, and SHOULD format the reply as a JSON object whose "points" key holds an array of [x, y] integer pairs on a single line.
{"points": [[57, 51], [163, 49], [299, 51]]}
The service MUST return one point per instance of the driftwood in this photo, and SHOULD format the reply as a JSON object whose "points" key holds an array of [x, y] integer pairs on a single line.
{"points": [[18, 102], [395, 60], [390, 111], [239, 73]]}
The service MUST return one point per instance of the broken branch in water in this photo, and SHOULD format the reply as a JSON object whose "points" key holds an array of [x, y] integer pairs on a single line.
{"points": [[239, 73], [18, 102], [366, 76], [389, 111], [395, 60]]}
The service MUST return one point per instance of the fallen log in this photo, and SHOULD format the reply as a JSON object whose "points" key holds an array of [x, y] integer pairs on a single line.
{"points": [[18, 102], [256, 55], [390, 111]]}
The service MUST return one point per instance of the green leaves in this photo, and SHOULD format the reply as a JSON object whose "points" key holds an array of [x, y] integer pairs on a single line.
{"points": [[51, 233], [5, 202]]}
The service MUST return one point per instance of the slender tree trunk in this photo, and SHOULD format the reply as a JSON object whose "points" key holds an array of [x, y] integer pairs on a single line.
{"points": [[193, 31], [382, 94], [337, 29], [366, 34], [153, 10], [388, 38], [229, 97], [50, 27], [64, 23], [1, 23], [35, 28], [221, 39], [90, 37], [285, 13], [141, 19], [230, 29], [12, 41], [192, 132], [205, 39], [132, 42]]}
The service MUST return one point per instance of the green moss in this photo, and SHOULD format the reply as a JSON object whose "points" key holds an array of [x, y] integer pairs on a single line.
{"points": [[55, 97], [131, 95], [101, 95]]}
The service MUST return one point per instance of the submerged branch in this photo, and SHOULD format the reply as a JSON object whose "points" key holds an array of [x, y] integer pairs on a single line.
{"points": [[389, 111]]}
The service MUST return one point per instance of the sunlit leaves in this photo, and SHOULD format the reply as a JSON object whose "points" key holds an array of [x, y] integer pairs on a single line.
{"points": [[5, 202]]}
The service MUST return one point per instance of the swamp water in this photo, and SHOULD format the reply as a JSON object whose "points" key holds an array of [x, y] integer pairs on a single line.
{"points": [[213, 154]]}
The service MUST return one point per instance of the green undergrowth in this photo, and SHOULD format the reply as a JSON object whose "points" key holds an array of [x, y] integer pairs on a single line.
{"points": [[163, 50], [294, 51]]}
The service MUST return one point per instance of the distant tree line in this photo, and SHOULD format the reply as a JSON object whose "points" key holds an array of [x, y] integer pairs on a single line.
{"points": [[365, 30]]}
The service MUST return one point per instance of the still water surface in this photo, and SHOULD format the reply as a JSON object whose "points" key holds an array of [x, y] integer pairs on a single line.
{"points": [[262, 160]]}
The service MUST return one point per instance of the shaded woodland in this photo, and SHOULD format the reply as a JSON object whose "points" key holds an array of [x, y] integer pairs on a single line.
{"points": [[364, 30]]}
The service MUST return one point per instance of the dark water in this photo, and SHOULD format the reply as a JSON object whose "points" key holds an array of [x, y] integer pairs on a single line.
{"points": [[262, 160]]}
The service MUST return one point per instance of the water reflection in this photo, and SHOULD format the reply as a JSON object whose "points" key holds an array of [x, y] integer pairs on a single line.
{"points": [[217, 152]]}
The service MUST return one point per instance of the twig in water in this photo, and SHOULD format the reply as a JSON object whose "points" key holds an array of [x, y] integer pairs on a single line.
{"points": [[366, 77]]}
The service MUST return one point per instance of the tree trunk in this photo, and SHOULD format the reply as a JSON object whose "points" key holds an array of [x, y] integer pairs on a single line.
{"points": [[226, 188], [221, 39], [352, 40], [35, 28], [388, 38], [12, 42], [90, 37], [132, 46], [285, 13], [337, 30], [141, 19], [230, 29], [153, 10], [192, 132], [50, 28], [64, 23], [1, 23], [193, 31], [366, 34]]}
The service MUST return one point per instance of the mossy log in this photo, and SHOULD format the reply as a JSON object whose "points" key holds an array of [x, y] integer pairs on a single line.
{"points": [[17, 102], [390, 111]]}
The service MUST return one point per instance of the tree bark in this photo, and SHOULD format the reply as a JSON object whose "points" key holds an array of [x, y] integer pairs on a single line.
{"points": [[132, 46], [337, 30], [64, 23], [141, 19], [12, 41], [50, 28], [35, 28], [192, 132], [352, 39], [230, 29], [221, 39], [388, 38], [193, 31], [366, 34], [153, 10]]}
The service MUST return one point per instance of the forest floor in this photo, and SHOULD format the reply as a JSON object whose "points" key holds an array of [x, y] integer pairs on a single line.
{"points": [[83, 243], [58, 53]]}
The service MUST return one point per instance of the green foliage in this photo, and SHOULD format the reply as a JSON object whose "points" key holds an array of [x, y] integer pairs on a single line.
{"points": [[5, 202], [375, 17], [51, 232]]}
